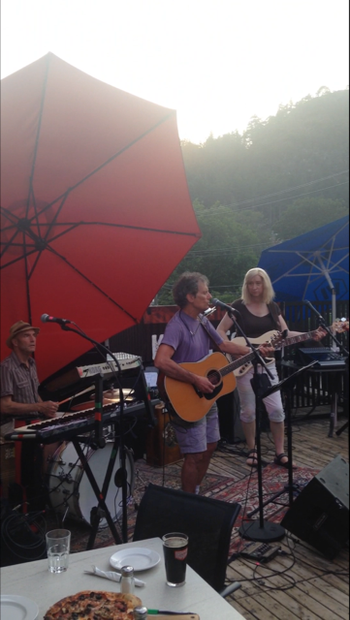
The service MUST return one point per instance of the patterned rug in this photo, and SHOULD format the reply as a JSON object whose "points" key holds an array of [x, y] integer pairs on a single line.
{"points": [[274, 480], [170, 476], [245, 492]]}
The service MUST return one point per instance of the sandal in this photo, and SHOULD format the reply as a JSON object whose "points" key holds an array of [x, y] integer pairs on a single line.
{"points": [[253, 458], [278, 460]]}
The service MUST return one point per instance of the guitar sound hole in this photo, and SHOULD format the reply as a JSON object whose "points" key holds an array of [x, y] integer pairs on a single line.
{"points": [[214, 377]]}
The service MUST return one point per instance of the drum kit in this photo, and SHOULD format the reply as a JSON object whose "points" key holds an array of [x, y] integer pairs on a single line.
{"points": [[67, 483]]}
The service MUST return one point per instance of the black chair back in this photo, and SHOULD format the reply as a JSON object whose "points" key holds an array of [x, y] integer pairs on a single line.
{"points": [[208, 523]]}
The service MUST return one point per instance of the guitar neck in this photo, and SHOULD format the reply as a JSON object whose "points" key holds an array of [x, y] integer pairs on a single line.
{"points": [[294, 339], [245, 359], [237, 363]]}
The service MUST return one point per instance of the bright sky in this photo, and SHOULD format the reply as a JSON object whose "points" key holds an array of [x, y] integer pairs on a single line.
{"points": [[217, 62]]}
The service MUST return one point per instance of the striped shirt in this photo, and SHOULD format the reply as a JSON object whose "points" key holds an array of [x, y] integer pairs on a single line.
{"points": [[19, 381]]}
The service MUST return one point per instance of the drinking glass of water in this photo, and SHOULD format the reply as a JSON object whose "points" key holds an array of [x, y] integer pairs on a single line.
{"points": [[57, 548]]}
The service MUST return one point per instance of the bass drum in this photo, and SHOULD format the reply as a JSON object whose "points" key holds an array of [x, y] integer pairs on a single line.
{"points": [[70, 490]]}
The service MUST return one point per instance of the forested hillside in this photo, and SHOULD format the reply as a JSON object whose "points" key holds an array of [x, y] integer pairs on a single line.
{"points": [[284, 176]]}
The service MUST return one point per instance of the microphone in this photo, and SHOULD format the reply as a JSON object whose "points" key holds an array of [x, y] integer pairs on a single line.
{"points": [[226, 307], [46, 318]]}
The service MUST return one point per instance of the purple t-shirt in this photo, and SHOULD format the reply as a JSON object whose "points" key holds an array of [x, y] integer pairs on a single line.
{"points": [[188, 338]]}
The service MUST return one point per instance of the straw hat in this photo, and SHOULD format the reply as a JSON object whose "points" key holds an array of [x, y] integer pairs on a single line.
{"points": [[18, 328]]}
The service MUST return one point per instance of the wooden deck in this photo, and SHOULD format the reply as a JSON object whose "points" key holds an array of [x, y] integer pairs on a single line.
{"points": [[300, 583]]}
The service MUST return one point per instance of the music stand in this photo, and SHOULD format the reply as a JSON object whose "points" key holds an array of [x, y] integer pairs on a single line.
{"points": [[287, 386], [260, 530]]}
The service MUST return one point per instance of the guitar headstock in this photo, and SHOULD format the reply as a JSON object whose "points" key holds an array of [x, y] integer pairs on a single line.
{"points": [[340, 325]]}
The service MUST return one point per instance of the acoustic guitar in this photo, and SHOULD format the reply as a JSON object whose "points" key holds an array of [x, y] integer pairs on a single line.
{"points": [[192, 405]]}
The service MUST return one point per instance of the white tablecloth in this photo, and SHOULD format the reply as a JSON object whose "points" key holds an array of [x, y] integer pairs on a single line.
{"points": [[34, 581]]}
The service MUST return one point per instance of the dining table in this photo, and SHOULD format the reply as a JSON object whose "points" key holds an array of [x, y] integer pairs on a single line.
{"points": [[33, 581]]}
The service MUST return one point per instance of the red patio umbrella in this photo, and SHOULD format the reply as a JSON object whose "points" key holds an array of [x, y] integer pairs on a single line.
{"points": [[95, 208]]}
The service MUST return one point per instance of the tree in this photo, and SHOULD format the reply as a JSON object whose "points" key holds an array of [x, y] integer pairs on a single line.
{"points": [[306, 214]]}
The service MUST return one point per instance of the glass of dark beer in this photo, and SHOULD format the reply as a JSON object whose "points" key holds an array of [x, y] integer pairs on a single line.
{"points": [[175, 547]]}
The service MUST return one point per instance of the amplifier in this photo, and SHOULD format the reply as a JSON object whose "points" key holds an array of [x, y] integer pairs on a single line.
{"points": [[162, 447]]}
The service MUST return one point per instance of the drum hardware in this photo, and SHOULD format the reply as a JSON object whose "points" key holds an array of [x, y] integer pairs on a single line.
{"points": [[139, 477], [80, 500]]}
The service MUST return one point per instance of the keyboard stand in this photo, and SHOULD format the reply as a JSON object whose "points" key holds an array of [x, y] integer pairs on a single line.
{"points": [[333, 419], [335, 374]]}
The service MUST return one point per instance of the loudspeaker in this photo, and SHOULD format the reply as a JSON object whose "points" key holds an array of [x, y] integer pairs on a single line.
{"points": [[229, 420], [320, 513]]}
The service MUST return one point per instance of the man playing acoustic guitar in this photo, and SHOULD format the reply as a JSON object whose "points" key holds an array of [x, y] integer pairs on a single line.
{"points": [[182, 358]]}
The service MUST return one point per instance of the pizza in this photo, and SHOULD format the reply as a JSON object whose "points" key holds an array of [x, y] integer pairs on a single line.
{"points": [[94, 605]]}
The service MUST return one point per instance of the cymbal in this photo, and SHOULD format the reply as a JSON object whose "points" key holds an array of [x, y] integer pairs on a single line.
{"points": [[113, 394], [91, 405]]}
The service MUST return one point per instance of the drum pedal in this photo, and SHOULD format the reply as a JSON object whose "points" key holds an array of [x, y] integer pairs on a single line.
{"points": [[259, 552]]}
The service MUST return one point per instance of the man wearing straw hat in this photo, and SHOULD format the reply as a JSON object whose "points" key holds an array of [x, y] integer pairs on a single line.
{"points": [[19, 397]]}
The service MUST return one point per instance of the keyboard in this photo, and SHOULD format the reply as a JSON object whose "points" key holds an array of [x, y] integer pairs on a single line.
{"points": [[69, 382], [70, 425]]}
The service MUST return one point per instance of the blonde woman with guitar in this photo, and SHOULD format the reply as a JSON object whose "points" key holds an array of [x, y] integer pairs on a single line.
{"points": [[258, 315], [191, 379]]}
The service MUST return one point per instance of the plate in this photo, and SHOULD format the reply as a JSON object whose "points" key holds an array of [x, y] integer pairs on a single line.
{"points": [[17, 608], [139, 558]]}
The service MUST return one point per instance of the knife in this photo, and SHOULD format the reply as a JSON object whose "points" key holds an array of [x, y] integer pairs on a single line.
{"points": [[111, 575], [156, 612]]}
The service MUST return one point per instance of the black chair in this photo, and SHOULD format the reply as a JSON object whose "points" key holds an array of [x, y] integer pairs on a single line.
{"points": [[208, 523]]}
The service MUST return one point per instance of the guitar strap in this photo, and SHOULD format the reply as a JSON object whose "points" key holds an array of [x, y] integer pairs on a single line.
{"points": [[216, 346], [210, 336], [273, 311]]}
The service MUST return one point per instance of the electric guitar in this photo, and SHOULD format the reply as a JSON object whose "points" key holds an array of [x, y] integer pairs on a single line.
{"points": [[340, 325], [274, 339], [189, 403]]}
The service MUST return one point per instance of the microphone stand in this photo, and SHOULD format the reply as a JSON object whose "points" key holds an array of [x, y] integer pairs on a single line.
{"points": [[341, 347], [287, 385], [323, 324], [100, 442], [259, 530]]}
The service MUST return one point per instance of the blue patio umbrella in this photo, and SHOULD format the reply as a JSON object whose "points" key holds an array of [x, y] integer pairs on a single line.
{"points": [[313, 266]]}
